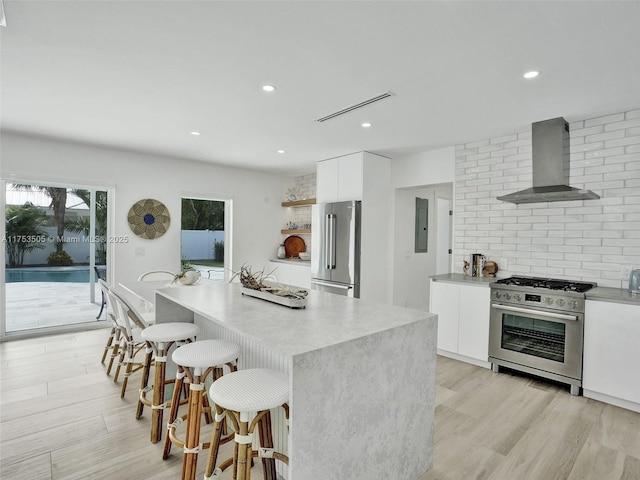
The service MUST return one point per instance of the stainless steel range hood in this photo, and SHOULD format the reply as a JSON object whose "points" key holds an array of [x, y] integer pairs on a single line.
{"points": [[550, 151]]}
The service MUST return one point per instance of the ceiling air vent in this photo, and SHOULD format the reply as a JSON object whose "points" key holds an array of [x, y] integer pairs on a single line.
{"points": [[356, 106]]}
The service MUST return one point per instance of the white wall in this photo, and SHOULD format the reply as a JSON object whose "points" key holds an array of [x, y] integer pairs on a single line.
{"points": [[133, 176], [588, 240], [429, 175]]}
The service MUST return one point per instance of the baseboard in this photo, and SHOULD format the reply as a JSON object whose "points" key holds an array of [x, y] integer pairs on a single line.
{"points": [[618, 402], [463, 358]]}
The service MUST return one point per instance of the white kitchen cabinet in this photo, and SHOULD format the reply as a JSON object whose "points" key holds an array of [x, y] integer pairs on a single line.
{"points": [[463, 320], [291, 274], [612, 353], [340, 179]]}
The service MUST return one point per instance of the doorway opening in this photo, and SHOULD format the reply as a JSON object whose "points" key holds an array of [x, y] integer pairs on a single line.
{"points": [[55, 240], [203, 237]]}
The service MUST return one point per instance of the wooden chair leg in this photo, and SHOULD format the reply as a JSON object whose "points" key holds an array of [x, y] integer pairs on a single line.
{"points": [[108, 346], [114, 352], [144, 381], [173, 413], [129, 361]]}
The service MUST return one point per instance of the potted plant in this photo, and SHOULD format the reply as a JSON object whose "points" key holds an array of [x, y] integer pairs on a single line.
{"points": [[188, 274]]}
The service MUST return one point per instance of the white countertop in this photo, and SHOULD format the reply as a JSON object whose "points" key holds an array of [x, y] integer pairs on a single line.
{"points": [[327, 320], [292, 261], [465, 279]]}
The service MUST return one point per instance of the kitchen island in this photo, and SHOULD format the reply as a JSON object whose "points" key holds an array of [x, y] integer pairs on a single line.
{"points": [[361, 375]]}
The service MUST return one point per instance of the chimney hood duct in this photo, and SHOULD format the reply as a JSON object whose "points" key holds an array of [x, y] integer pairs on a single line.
{"points": [[550, 152]]}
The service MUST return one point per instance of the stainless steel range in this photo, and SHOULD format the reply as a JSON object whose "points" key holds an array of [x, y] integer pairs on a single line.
{"points": [[537, 326]]}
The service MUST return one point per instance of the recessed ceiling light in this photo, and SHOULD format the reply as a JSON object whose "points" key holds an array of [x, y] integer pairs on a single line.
{"points": [[366, 124], [268, 88], [531, 74], [195, 133], [280, 151]]}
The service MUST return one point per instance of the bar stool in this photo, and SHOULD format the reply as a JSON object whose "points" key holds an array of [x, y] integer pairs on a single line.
{"points": [[239, 394], [159, 338], [204, 357]]}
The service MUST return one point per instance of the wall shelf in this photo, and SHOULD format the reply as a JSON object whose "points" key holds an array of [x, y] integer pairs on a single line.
{"points": [[300, 203], [296, 231]]}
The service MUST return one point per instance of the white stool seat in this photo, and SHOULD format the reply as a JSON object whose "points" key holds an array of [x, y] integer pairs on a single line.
{"points": [[251, 390], [169, 332], [206, 353]]}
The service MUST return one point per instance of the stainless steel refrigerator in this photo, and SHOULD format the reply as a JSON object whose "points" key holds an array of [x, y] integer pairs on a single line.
{"points": [[335, 261]]}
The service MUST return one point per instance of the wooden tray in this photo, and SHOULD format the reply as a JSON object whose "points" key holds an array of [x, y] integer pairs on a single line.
{"points": [[294, 245], [270, 297]]}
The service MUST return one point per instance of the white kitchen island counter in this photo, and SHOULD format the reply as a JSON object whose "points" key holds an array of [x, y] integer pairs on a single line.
{"points": [[362, 375]]}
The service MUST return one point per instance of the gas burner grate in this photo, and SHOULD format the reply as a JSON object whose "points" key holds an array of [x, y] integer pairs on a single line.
{"points": [[548, 283]]}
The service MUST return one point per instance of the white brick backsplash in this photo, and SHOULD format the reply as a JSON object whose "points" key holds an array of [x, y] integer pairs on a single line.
{"points": [[616, 117], [632, 114], [581, 240]]}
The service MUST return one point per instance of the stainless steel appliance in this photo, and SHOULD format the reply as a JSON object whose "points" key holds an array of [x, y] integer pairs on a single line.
{"points": [[537, 326], [634, 281], [550, 163], [335, 263]]}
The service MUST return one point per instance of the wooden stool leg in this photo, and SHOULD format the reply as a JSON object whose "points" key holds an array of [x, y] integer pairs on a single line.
{"points": [[144, 381], [157, 409], [212, 459], [266, 441], [242, 449], [173, 413], [192, 443]]}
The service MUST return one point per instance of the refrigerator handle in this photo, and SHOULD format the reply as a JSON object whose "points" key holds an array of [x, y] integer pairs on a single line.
{"points": [[330, 241]]}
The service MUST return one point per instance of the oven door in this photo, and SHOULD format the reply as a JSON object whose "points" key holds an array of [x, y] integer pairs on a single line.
{"points": [[538, 339]]}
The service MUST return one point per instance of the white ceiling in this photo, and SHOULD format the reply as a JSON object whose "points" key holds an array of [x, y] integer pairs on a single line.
{"points": [[141, 75]]}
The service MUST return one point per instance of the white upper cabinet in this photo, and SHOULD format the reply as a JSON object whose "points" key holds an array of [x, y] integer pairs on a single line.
{"points": [[340, 179]]}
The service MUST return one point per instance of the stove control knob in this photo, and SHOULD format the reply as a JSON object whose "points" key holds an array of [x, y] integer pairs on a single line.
{"points": [[497, 294], [560, 302], [507, 296], [517, 297], [548, 300], [573, 304]]}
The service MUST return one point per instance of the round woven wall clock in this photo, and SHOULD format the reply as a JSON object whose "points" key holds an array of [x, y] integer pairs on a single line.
{"points": [[149, 218]]}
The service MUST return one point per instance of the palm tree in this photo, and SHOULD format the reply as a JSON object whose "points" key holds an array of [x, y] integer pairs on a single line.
{"points": [[58, 197], [24, 232], [81, 225]]}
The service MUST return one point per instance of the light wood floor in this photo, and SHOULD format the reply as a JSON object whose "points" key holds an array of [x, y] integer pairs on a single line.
{"points": [[61, 417]]}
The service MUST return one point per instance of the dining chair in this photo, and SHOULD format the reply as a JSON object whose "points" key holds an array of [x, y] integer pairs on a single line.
{"points": [[101, 274], [113, 340], [155, 275], [131, 325]]}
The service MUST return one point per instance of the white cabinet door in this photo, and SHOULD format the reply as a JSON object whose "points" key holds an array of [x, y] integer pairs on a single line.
{"points": [[350, 177], [300, 276], [281, 272], [445, 300], [473, 322], [612, 349], [327, 181]]}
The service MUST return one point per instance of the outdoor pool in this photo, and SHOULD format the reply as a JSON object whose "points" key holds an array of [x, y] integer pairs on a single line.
{"points": [[47, 274]]}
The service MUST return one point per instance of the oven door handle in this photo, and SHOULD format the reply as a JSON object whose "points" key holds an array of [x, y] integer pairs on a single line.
{"points": [[559, 316]]}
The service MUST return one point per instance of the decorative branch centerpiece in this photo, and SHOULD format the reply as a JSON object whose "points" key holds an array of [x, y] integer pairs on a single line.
{"points": [[256, 284]]}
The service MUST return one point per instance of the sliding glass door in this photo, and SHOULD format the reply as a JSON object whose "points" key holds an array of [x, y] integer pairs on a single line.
{"points": [[54, 249]]}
